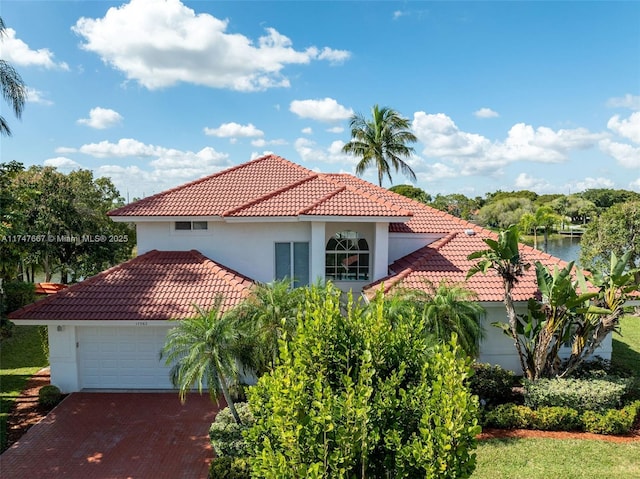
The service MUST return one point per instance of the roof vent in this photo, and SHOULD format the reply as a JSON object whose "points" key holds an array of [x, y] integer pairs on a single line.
{"points": [[469, 232]]}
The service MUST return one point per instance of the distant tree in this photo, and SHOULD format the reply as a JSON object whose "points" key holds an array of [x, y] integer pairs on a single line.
{"points": [[456, 204], [381, 142], [578, 209], [543, 219], [504, 212], [604, 198], [616, 230], [544, 199], [14, 90], [412, 192], [503, 195]]}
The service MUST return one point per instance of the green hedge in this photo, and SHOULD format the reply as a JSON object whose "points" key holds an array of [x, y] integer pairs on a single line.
{"points": [[226, 435], [579, 394], [556, 418], [492, 384]]}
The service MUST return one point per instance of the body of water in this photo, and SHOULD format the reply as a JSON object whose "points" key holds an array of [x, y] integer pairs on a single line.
{"points": [[566, 248]]}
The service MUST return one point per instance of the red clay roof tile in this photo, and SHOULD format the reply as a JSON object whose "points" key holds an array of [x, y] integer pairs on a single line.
{"points": [[158, 285]]}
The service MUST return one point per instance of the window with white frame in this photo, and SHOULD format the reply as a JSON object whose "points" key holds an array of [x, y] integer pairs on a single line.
{"points": [[292, 261], [347, 257], [191, 225]]}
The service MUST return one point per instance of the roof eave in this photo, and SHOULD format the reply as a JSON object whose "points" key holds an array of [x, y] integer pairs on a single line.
{"points": [[163, 219]]}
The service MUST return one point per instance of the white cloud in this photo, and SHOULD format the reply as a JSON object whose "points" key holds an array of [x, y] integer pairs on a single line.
{"points": [[311, 153], [160, 44], [335, 129], [486, 113], [261, 142], [326, 109], [397, 14], [17, 52], [474, 154], [234, 130], [61, 162], [37, 96], [307, 131], [626, 155], [101, 118], [589, 183], [628, 128], [628, 101], [525, 181], [635, 185]]}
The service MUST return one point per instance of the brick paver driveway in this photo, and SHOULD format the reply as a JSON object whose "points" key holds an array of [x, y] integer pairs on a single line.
{"points": [[116, 436]]}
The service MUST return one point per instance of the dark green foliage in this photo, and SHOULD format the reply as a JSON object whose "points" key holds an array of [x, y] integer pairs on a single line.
{"points": [[508, 416], [492, 384], [18, 294], [357, 395], [412, 192], [605, 197], [457, 204], [580, 394], [229, 468], [555, 418], [612, 421], [49, 395], [226, 434]]}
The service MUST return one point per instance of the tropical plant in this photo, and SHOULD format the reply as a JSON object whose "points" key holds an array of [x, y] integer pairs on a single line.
{"points": [[505, 211], [381, 142], [447, 309], [544, 218], [503, 257], [203, 350], [270, 313], [356, 394], [14, 90]]}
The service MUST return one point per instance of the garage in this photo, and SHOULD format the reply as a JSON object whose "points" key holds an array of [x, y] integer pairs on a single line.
{"points": [[122, 358]]}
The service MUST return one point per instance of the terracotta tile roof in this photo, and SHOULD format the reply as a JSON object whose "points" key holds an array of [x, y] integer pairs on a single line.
{"points": [[268, 186], [157, 285], [446, 259], [49, 288]]}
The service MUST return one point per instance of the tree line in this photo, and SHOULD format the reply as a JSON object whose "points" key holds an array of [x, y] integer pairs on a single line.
{"points": [[54, 223]]}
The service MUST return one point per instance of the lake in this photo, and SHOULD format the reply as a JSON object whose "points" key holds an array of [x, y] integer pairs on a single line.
{"points": [[566, 248]]}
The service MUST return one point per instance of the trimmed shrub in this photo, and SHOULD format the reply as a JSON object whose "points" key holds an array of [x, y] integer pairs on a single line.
{"points": [[613, 421], [579, 394], [226, 435], [509, 416], [49, 395], [18, 294], [555, 418], [492, 384], [229, 468]]}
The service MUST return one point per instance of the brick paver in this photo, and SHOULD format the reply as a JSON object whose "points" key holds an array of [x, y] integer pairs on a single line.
{"points": [[116, 436]]}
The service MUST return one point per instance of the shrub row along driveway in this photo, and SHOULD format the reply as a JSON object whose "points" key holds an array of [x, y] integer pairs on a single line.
{"points": [[116, 436]]}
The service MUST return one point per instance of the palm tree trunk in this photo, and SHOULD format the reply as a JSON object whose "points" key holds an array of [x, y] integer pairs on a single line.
{"points": [[227, 397], [513, 322]]}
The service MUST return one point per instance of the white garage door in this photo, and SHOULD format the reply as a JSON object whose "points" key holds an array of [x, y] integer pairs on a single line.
{"points": [[122, 358]]}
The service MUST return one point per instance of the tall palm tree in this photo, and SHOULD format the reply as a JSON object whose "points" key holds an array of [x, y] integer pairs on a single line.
{"points": [[381, 142], [14, 90], [204, 349]]}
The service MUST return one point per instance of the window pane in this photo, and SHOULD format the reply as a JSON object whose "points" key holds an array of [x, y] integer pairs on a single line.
{"points": [[183, 225], [200, 225], [300, 264], [283, 260]]}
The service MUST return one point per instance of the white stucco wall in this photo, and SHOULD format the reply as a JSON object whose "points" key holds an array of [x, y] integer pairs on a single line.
{"points": [[401, 244], [498, 348], [63, 357]]}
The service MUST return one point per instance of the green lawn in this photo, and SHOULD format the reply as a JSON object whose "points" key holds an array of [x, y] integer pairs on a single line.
{"points": [[553, 458], [568, 459], [21, 356]]}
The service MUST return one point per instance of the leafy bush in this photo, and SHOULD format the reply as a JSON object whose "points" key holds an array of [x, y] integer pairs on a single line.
{"points": [[580, 394], [357, 393], [555, 418], [18, 294], [229, 468], [226, 435], [492, 384], [612, 421], [509, 416], [49, 395], [599, 368]]}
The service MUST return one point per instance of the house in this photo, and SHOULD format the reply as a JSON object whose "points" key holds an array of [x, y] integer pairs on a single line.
{"points": [[262, 220]]}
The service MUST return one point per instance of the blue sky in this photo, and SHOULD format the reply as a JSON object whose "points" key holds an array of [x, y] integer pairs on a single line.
{"points": [[501, 95]]}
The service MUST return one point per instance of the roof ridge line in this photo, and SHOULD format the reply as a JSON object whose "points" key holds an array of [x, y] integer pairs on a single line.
{"points": [[204, 178], [270, 194], [326, 197], [363, 193]]}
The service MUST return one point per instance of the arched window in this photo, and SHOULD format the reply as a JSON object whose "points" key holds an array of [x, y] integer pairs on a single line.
{"points": [[347, 257]]}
